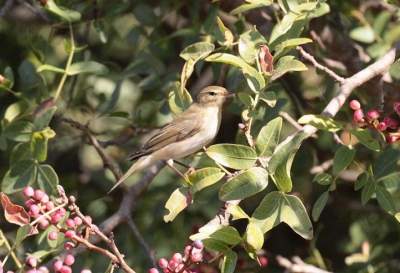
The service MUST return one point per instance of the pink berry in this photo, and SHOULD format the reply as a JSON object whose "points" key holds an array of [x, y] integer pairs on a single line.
{"points": [[69, 234], [65, 269], [57, 265], [187, 251], [152, 270], [56, 217], [68, 246], [62, 211], [38, 194], [88, 218], [50, 205], [396, 107], [358, 115], [29, 202], [381, 126], [177, 258], [70, 223], [45, 199], [34, 210], [172, 265], [198, 244], [53, 236], [391, 123], [43, 224], [31, 262], [28, 191], [392, 139], [163, 263], [263, 261], [69, 259], [196, 257], [78, 221], [355, 104], [373, 114]]}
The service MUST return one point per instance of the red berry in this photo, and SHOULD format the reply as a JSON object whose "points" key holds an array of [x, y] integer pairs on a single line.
{"points": [[358, 115], [355, 104], [373, 114], [50, 205], [28, 191], [198, 244], [57, 265], [69, 259], [163, 263], [53, 236], [196, 257], [68, 246], [263, 261], [62, 211], [69, 234], [152, 270]]}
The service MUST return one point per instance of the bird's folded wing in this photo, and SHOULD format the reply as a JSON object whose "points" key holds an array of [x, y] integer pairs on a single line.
{"points": [[179, 129]]}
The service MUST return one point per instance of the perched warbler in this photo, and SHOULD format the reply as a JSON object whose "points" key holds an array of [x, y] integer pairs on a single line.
{"points": [[186, 134]]}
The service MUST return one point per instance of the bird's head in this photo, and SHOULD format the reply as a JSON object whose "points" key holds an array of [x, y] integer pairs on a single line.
{"points": [[212, 96]]}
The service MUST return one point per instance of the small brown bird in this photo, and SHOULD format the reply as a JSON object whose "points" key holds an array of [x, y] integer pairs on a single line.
{"points": [[186, 134]]}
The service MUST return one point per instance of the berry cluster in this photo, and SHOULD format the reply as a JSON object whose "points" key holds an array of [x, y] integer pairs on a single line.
{"points": [[388, 126], [181, 264], [46, 213]]}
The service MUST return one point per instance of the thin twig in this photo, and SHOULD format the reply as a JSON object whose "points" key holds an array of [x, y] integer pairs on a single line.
{"points": [[298, 265], [311, 59]]}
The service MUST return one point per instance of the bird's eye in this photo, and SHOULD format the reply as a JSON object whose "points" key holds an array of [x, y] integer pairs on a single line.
{"points": [[212, 93]]}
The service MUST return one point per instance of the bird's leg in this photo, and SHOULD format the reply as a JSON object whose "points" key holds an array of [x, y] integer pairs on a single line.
{"points": [[190, 169], [170, 164]]}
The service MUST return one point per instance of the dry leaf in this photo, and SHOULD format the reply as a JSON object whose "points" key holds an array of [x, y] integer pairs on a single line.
{"points": [[266, 59], [14, 214]]}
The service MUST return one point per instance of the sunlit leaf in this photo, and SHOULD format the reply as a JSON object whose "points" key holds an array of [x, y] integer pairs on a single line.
{"points": [[237, 212], [268, 137], [177, 202], [366, 139], [20, 131], [385, 200], [229, 262], [323, 179], [203, 178], [234, 156], [321, 122], [287, 64], [179, 102]]}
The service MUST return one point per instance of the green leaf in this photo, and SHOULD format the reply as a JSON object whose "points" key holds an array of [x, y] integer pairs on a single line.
{"points": [[255, 80], [227, 235], [39, 146], [269, 98], [238, 157], [68, 47], [192, 54], [22, 233], [287, 64], [44, 118], [367, 191], [364, 34], [245, 184], [106, 106], [19, 131], [87, 67], [321, 122], [51, 68], [65, 14], [268, 213], [281, 162], [289, 44], [361, 181], [21, 151], [8, 74], [386, 163], [101, 31], [323, 179], [385, 200], [268, 137], [223, 35], [342, 159], [366, 139], [392, 183], [197, 51], [246, 99], [319, 206], [203, 178], [16, 110], [229, 262], [47, 178], [19, 176], [246, 7], [177, 202], [295, 215], [237, 213], [254, 237], [179, 102], [215, 244]]}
